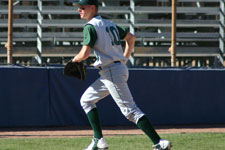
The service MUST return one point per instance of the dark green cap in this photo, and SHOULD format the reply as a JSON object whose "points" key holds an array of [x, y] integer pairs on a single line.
{"points": [[86, 2]]}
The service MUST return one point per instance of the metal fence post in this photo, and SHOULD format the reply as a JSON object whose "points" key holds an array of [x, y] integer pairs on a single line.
{"points": [[221, 37], [132, 7], [132, 30], [39, 32]]}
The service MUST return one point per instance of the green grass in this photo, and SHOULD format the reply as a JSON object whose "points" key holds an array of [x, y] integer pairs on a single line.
{"points": [[188, 141]]}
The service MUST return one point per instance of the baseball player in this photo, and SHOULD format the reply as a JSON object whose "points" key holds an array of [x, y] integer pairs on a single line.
{"points": [[103, 37]]}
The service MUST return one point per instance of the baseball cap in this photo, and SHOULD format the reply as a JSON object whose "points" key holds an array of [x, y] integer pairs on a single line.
{"points": [[85, 2]]}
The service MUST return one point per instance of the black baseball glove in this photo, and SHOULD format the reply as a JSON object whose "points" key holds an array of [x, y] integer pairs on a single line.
{"points": [[75, 69]]}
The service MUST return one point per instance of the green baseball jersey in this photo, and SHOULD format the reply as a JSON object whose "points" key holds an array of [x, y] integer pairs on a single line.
{"points": [[104, 37]]}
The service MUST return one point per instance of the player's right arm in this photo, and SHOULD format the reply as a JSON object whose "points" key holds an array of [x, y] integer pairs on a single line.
{"points": [[90, 37], [83, 54]]}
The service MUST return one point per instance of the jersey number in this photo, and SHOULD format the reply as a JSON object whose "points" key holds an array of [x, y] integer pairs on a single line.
{"points": [[114, 35]]}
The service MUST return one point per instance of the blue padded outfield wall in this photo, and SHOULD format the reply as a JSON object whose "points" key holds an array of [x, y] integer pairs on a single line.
{"points": [[43, 96]]}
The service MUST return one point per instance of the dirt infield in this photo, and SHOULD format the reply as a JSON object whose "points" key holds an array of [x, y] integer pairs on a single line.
{"points": [[55, 132]]}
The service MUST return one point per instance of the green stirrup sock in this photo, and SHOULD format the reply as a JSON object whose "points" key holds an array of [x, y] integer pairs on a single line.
{"points": [[94, 120], [145, 125]]}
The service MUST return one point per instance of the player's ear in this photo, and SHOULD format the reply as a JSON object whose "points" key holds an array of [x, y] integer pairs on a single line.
{"points": [[93, 7]]}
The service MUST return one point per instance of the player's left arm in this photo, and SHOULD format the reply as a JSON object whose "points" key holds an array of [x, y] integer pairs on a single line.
{"points": [[129, 40], [130, 43]]}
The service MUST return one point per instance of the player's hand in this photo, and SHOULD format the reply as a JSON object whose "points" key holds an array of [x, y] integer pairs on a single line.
{"points": [[74, 59]]}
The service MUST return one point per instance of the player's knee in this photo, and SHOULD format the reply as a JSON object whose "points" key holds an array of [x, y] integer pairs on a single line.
{"points": [[83, 102], [86, 105]]}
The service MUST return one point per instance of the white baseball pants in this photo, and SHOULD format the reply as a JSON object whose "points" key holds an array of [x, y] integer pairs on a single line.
{"points": [[113, 80]]}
